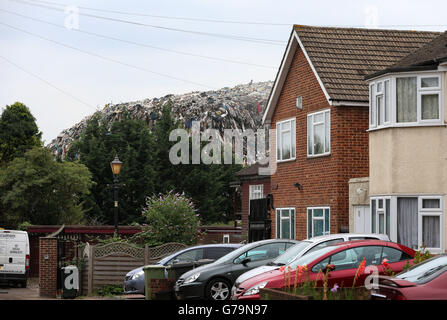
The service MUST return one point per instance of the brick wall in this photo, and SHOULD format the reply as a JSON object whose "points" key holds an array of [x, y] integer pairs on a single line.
{"points": [[165, 286], [324, 179], [48, 267], [215, 235]]}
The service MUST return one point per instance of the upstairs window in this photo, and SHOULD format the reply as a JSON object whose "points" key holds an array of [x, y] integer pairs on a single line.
{"points": [[406, 101], [318, 133], [286, 140]]}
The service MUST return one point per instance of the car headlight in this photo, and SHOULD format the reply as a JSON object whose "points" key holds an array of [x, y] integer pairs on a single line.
{"points": [[255, 289], [137, 275], [192, 278]]}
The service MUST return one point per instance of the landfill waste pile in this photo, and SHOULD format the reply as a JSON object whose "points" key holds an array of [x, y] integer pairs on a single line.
{"points": [[240, 107]]}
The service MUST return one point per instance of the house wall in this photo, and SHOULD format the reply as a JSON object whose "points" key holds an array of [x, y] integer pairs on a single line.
{"points": [[324, 179], [408, 161], [358, 196], [245, 187]]}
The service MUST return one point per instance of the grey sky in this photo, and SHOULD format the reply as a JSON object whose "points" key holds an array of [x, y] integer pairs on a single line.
{"points": [[97, 81]]}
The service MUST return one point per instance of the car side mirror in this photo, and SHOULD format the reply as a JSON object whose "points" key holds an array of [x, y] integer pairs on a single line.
{"points": [[245, 261]]}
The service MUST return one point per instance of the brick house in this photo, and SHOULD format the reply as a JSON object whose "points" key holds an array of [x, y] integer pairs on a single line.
{"points": [[252, 186], [318, 108]]}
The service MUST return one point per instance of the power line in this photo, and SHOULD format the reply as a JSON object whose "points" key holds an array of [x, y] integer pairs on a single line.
{"points": [[48, 83], [137, 14], [139, 43], [106, 58], [201, 33]]}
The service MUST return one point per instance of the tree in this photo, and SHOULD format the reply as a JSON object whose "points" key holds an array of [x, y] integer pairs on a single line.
{"points": [[18, 132], [169, 176], [36, 189], [132, 141], [207, 185]]}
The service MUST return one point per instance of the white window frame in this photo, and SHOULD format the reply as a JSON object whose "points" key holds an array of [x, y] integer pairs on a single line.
{"points": [[390, 100], [279, 132], [378, 212], [431, 212], [255, 191], [317, 218], [421, 213], [310, 133], [280, 210]]}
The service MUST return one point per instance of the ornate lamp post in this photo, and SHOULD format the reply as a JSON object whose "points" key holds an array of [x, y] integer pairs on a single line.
{"points": [[116, 168]]}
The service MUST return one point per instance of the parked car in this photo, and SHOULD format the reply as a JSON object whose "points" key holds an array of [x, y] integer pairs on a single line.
{"points": [[305, 247], [213, 281], [345, 257], [134, 281], [424, 281], [14, 257]]}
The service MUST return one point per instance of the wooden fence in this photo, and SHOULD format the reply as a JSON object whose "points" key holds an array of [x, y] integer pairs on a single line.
{"points": [[108, 264]]}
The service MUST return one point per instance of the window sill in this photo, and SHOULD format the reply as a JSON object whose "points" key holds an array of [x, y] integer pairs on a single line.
{"points": [[412, 125], [319, 155], [283, 161]]}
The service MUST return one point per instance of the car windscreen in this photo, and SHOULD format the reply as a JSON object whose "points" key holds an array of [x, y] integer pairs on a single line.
{"points": [[425, 271], [308, 258], [233, 254], [290, 253]]}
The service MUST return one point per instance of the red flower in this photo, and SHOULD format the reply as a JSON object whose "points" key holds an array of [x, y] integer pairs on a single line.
{"points": [[282, 268], [385, 263], [362, 266]]}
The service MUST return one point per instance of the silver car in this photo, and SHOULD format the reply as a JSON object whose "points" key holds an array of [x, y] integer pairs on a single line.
{"points": [[305, 247], [134, 281]]}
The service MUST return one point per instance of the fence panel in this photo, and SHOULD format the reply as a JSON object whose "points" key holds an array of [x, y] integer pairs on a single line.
{"points": [[108, 264]]}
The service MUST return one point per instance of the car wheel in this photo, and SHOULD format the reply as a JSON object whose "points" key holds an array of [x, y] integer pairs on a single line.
{"points": [[218, 289]]}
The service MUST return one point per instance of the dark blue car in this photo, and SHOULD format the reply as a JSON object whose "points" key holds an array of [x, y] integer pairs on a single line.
{"points": [[134, 280]]}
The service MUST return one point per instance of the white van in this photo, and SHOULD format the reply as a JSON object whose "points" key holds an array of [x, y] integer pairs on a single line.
{"points": [[14, 256]]}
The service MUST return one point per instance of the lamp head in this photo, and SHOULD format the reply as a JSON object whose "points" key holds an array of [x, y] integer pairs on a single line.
{"points": [[116, 165]]}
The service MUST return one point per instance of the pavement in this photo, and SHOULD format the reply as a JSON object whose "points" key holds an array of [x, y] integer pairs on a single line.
{"points": [[31, 292]]}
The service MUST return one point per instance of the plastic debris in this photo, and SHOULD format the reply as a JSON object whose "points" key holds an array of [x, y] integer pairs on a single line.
{"points": [[240, 107]]}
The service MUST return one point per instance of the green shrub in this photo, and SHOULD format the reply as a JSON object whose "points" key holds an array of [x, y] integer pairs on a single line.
{"points": [[170, 218], [110, 290]]}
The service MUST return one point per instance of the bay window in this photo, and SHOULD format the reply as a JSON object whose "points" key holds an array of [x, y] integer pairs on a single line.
{"points": [[406, 100], [413, 221], [286, 140]]}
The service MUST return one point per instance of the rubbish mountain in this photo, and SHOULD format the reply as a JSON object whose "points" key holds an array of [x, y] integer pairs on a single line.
{"points": [[240, 107]]}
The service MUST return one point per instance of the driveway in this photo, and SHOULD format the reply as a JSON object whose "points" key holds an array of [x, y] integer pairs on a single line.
{"points": [[31, 292]]}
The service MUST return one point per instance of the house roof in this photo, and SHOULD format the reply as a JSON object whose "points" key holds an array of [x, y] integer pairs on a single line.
{"points": [[342, 57], [252, 170], [427, 57]]}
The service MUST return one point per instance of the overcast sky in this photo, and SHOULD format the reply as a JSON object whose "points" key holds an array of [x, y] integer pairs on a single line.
{"points": [[62, 85]]}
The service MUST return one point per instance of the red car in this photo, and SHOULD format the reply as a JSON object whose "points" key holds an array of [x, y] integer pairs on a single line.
{"points": [[424, 281], [345, 257]]}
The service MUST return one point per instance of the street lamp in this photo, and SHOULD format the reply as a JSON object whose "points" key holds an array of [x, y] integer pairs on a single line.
{"points": [[116, 168]]}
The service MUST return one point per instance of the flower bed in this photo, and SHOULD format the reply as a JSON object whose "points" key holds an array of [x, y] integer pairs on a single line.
{"points": [[359, 293]]}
